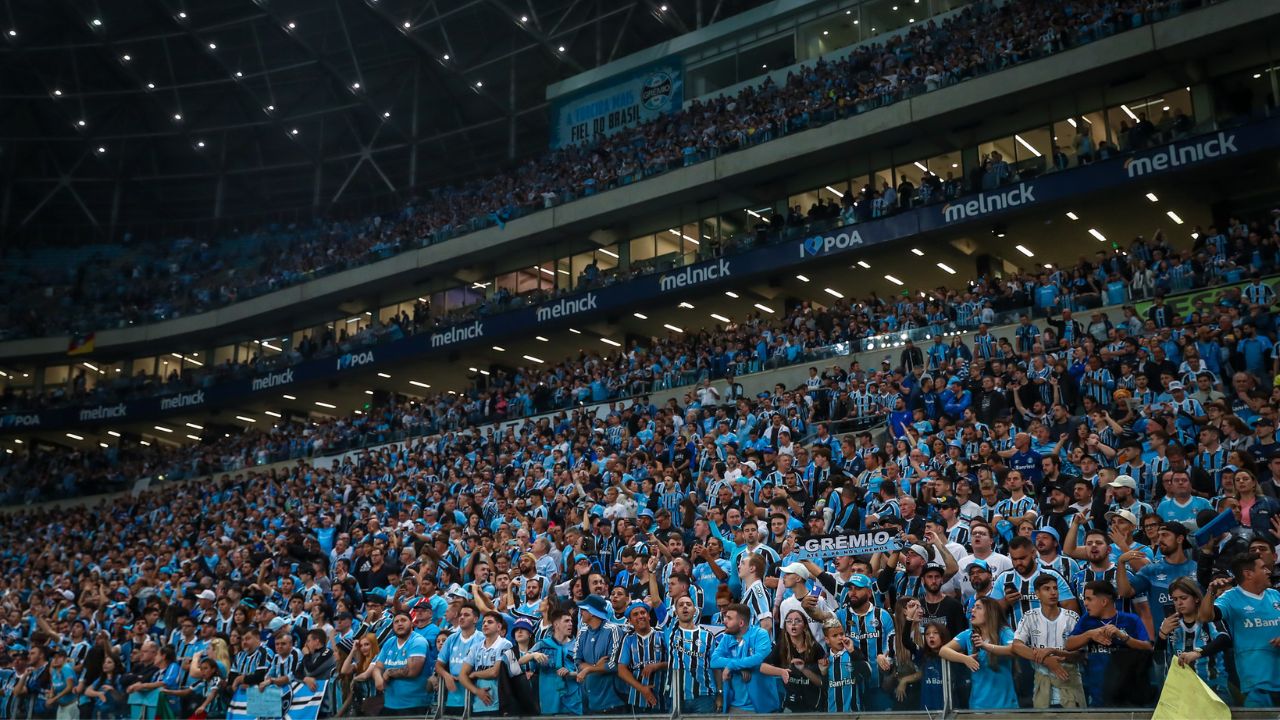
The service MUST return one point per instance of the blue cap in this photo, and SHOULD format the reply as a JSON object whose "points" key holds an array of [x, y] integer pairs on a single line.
{"points": [[523, 624], [646, 513], [859, 580], [376, 595], [978, 563], [634, 605], [1050, 531], [595, 605]]}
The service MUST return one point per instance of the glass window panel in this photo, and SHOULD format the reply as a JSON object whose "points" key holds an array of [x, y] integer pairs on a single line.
{"points": [[778, 52], [708, 78], [882, 16], [825, 36], [510, 282], [642, 248], [1032, 149], [57, 375], [691, 243], [802, 202]]}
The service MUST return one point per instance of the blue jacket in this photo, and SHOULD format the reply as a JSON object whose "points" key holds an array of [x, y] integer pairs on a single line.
{"points": [[954, 405], [761, 693]]}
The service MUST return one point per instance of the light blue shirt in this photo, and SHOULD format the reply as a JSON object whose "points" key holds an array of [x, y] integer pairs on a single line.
{"points": [[405, 692]]}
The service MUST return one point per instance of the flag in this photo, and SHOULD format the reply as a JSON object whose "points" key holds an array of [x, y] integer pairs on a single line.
{"points": [[1185, 695], [303, 704], [81, 344]]}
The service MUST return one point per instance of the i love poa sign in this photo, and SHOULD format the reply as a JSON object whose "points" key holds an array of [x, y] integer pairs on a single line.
{"points": [[842, 544]]}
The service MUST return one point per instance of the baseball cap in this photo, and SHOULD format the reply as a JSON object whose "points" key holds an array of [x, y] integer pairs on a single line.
{"points": [[1175, 385], [206, 594], [1125, 481], [796, 568], [931, 567], [859, 580], [979, 564], [1123, 515], [917, 549]]}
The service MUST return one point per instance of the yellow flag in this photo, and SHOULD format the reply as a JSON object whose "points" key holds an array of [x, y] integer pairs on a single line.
{"points": [[1186, 697]]}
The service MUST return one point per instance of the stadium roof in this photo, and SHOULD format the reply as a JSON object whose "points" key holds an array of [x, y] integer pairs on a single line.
{"points": [[155, 114]]}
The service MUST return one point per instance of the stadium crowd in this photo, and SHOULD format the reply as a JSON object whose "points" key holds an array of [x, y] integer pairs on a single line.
{"points": [[806, 333], [151, 283], [1072, 510]]}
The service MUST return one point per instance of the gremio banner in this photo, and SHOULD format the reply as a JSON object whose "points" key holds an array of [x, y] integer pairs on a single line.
{"points": [[622, 101], [843, 544]]}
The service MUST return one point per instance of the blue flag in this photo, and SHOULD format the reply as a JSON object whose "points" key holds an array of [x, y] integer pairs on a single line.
{"points": [[300, 703]]}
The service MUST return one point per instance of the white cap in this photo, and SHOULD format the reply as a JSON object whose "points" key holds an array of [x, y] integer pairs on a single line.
{"points": [[796, 568]]}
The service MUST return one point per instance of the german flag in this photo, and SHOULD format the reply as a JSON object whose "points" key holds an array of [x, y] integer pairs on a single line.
{"points": [[81, 344]]}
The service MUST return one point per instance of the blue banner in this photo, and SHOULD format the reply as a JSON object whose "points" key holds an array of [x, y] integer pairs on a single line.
{"points": [[765, 260], [623, 101]]}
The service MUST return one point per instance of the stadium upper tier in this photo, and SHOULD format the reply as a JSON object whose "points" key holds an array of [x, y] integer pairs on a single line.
{"points": [[950, 324], [67, 293], [95, 394]]}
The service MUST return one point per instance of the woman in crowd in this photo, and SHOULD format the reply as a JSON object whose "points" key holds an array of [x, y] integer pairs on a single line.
{"points": [[1192, 643], [794, 661], [986, 649], [358, 686], [106, 694], [1255, 510], [906, 676]]}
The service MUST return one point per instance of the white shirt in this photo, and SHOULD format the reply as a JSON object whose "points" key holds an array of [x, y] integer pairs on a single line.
{"points": [[960, 583], [1037, 631]]}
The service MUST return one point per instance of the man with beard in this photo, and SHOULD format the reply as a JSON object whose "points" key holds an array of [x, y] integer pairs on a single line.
{"points": [[738, 655], [1047, 541], [871, 629], [527, 570], [1056, 511], [980, 581], [1015, 588], [1153, 580], [1124, 497], [1098, 566], [398, 670], [939, 607]]}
